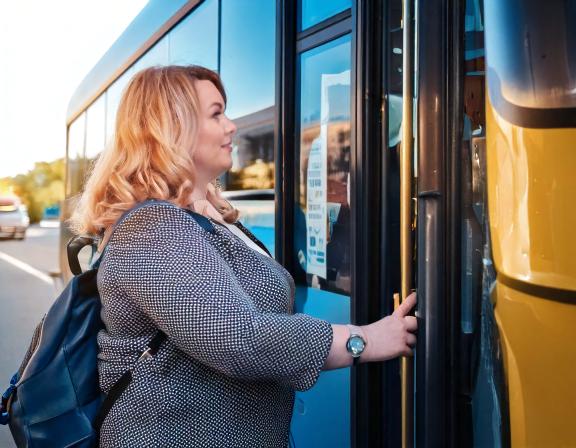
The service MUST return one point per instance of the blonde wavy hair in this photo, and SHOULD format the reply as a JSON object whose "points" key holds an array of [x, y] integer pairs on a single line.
{"points": [[151, 155]]}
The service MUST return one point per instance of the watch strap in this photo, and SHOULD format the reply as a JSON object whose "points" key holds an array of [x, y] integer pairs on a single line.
{"points": [[355, 331]]}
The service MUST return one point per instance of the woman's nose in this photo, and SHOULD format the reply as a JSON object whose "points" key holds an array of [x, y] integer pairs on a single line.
{"points": [[231, 127]]}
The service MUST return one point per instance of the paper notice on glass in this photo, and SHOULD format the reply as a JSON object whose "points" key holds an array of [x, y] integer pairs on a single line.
{"points": [[317, 187], [316, 217]]}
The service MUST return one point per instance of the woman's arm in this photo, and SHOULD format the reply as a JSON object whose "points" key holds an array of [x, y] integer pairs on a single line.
{"points": [[385, 339], [164, 264], [167, 268]]}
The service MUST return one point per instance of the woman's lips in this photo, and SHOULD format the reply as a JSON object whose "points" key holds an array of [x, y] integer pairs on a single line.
{"points": [[228, 147]]}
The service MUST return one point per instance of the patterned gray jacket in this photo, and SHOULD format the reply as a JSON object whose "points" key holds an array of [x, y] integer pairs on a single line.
{"points": [[235, 353]]}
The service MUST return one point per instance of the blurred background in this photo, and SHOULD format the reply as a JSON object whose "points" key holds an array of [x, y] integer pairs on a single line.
{"points": [[46, 49]]}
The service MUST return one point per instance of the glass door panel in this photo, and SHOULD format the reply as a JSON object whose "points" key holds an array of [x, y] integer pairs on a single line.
{"points": [[322, 212], [313, 12], [322, 228]]}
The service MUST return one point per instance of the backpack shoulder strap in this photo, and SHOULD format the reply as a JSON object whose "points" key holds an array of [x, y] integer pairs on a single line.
{"points": [[153, 346], [200, 220], [110, 230], [124, 381]]}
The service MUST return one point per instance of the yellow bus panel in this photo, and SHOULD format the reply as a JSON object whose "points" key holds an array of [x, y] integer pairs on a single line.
{"points": [[532, 202], [531, 198], [540, 361]]}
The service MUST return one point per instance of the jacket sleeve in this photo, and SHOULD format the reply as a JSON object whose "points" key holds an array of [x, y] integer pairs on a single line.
{"points": [[177, 278]]}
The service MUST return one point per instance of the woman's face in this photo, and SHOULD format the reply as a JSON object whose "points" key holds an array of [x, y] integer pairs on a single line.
{"points": [[212, 155]]}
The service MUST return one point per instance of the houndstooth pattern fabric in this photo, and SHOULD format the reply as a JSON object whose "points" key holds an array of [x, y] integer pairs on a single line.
{"points": [[235, 353]]}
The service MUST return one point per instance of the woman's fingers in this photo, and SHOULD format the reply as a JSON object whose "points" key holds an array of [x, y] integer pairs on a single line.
{"points": [[394, 333], [407, 351], [411, 323], [406, 305]]}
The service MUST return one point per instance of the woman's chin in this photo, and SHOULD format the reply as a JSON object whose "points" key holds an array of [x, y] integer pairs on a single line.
{"points": [[224, 170]]}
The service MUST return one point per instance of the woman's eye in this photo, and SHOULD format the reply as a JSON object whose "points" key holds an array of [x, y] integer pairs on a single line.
{"points": [[216, 115]]}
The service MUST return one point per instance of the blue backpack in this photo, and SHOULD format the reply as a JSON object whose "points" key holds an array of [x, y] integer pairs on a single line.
{"points": [[54, 400]]}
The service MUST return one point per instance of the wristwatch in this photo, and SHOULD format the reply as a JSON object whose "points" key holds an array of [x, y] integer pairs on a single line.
{"points": [[355, 344]]}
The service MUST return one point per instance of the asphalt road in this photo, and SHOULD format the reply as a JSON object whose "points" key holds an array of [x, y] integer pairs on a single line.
{"points": [[26, 292]]}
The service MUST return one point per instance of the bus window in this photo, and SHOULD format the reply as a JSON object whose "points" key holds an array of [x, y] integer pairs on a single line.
{"points": [[322, 212], [313, 12], [157, 55], [395, 51], [482, 388], [95, 128], [247, 69], [195, 39], [113, 95], [76, 166]]}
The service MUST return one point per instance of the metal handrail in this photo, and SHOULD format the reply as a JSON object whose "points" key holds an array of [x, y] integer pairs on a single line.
{"points": [[406, 244]]}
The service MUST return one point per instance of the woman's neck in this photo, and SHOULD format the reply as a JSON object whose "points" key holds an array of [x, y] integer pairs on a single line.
{"points": [[200, 204], [199, 193]]}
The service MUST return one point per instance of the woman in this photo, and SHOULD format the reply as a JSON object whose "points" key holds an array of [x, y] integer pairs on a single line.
{"points": [[234, 352]]}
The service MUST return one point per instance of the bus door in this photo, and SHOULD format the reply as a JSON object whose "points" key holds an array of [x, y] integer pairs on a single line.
{"points": [[314, 232], [495, 270], [460, 390], [331, 191]]}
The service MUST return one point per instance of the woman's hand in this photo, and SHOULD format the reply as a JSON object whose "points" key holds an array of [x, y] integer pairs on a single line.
{"points": [[391, 336], [385, 339]]}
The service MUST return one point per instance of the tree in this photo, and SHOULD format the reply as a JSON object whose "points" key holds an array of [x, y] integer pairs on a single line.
{"points": [[41, 187]]}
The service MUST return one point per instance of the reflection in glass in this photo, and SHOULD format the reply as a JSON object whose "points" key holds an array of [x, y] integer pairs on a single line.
{"points": [[322, 214], [315, 11], [253, 152], [95, 128], [474, 80], [394, 68], [247, 58], [113, 95], [248, 74], [482, 378], [195, 39], [76, 167], [157, 55], [531, 69], [256, 213]]}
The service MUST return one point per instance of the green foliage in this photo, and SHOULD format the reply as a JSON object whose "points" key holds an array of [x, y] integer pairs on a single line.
{"points": [[41, 187]]}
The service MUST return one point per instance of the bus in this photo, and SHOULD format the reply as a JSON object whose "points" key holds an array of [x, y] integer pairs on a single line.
{"points": [[416, 144]]}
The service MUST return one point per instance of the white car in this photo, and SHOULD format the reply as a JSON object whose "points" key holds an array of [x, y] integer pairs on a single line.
{"points": [[14, 220]]}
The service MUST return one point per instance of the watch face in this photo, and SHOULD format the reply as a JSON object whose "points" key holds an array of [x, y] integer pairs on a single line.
{"points": [[355, 345]]}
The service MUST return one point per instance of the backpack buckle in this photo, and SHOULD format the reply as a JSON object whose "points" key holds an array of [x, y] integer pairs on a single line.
{"points": [[4, 415]]}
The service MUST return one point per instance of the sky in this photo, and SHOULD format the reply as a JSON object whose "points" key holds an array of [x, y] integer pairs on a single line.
{"points": [[46, 49]]}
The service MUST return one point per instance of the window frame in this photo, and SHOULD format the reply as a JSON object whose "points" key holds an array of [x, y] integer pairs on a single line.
{"points": [[367, 169]]}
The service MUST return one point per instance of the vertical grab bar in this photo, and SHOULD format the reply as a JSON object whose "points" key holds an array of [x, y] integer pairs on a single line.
{"points": [[406, 244]]}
